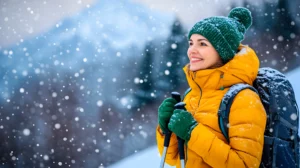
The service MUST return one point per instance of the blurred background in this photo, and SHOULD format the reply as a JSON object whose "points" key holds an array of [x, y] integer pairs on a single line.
{"points": [[81, 80]]}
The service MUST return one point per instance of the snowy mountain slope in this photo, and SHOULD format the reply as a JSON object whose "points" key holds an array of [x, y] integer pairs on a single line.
{"points": [[149, 158]]}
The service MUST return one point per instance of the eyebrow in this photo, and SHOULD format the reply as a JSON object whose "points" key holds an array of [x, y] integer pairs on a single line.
{"points": [[199, 40]]}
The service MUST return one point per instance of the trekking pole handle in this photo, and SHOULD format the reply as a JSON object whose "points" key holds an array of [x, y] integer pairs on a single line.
{"points": [[180, 105], [176, 96], [167, 137], [168, 133]]}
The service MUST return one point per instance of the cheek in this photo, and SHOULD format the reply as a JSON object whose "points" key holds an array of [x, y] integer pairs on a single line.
{"points": [[215, 55], [213, 58], [188, 52]]}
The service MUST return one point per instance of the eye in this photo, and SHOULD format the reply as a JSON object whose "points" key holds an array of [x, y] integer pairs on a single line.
{"points": [[190, 43], [203, 44]]}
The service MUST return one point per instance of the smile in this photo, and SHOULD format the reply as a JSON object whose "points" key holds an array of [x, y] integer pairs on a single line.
{"points": [[194, 60]]}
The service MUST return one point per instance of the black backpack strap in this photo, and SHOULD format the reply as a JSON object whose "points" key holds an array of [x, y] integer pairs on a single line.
{"points": [[225, 106]]}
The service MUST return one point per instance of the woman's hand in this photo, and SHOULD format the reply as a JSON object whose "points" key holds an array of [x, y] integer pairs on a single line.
{"points": [[182, 123], [165, 112]]}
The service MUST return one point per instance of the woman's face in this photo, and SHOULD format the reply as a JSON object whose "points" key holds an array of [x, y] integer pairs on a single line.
{"points": [[202, 54]]}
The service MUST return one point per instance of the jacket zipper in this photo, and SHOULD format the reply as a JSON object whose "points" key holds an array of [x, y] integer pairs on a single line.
{"points": [[186, 146], [199, 88]]}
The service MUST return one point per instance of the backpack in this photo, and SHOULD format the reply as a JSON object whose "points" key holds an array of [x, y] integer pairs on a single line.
{"points": [[281, 140]]}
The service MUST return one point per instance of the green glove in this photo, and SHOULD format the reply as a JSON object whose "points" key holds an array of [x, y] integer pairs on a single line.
{"points": [[182, 123], [165, 112]]}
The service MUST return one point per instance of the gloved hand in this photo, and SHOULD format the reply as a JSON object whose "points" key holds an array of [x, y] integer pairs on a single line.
{"points": [[165, 112], [182, 123]]}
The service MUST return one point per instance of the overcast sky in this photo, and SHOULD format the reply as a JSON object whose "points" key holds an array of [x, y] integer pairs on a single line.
{"points": [[21, 19]]}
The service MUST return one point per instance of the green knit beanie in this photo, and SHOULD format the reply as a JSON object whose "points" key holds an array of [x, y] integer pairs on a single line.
{"points": [[224, 33]]}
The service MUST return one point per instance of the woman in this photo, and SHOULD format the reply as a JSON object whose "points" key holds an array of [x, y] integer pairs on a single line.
{"points": [[217, 61]]}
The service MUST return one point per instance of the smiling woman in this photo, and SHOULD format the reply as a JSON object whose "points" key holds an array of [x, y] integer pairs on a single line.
{"points": [[215, 65]]}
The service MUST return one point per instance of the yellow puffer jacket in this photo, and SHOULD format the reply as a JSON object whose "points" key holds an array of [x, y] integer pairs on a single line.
{"points": [[207, 146]]}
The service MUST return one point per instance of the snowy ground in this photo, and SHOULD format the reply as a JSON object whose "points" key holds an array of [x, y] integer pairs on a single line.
{"points": [[149, 158]]}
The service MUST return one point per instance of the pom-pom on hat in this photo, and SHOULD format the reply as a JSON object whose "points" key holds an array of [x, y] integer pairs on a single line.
{"points": [[225, 33]]}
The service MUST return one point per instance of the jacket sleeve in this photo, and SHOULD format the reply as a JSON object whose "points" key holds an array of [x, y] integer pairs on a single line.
{"points": [[172, 152], [247, 122]]}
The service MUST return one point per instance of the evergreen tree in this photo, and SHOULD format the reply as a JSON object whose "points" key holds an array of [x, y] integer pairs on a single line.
{"points": [[284, 20], [145, 86], [174, 59]]}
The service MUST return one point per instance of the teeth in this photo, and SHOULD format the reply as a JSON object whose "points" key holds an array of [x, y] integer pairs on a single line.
{"points": [[194, 59]]}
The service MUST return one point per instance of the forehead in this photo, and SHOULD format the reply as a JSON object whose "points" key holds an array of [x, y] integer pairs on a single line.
{"points": [[196, 37]]}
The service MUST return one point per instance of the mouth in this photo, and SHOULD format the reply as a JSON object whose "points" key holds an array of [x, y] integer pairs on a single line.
{"points": [[195, 60]]}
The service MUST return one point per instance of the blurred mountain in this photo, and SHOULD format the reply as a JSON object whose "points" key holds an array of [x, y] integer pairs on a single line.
{"points": [[104, 39], [68, 96]]}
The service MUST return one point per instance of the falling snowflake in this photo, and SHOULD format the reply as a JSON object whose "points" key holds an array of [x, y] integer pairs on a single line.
{"points": [[57, 126], [99, 103], [22, 90], [26, 132], [174, 46], [167, 72], [294, 116]]}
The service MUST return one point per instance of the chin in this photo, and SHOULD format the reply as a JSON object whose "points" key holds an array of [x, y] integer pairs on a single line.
{"points": [[193, 68]]}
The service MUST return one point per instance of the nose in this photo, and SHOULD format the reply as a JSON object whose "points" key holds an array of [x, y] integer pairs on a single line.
{"points": [[191, 50]]}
